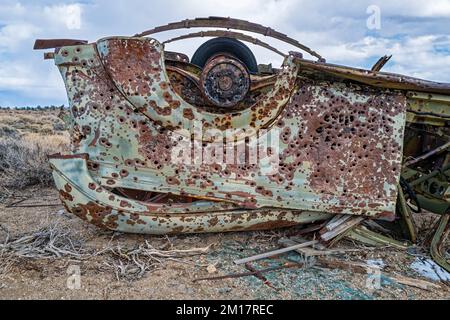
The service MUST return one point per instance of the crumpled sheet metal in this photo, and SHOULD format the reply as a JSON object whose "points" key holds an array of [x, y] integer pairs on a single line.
{"points": [[136, 66], [340, 143], [100, 207]]}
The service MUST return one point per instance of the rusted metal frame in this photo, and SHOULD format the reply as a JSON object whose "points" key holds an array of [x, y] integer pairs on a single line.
{"points": [[272, 205], [405, 212], [148, 186], [228, 34], [380, 63], [96, 206], [178, 188], [38, 206], [258, 275], [186, 66], [431, 114], [376, 79], [191, 191], [425, 97], [262, 82], [193, 77], [431, 109], [240, 117], [429, 176], [257, 82], [16, 203], [292, 110], [176, 56], [56, 43], [438, 240], [230, 23], [425, 156], [160, 208], [431, 202]]}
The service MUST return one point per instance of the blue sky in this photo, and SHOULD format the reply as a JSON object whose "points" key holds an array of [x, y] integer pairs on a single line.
{"points": [[415, 32]]}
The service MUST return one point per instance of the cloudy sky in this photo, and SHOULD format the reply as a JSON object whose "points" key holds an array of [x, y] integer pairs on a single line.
{"points": [[415, 32]]}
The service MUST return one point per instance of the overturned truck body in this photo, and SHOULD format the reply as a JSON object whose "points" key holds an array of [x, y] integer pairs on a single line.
{"points": [[162, 144]]}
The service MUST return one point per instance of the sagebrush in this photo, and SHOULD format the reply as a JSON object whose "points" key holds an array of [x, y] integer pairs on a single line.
{"points": [[23, 160]]}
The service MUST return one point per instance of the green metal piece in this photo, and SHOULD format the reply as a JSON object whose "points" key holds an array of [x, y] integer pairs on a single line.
{"points": [[428, 108], [369, 237], [432, 189], [438, 240], [406, 215]]}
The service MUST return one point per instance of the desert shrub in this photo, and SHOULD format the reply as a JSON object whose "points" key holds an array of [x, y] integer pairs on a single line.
{"points": [[39, 122], [59, 126], [8, 132], [23, 161]]}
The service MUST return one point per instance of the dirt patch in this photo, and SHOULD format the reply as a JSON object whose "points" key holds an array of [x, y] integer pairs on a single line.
{"points": [[48, 278]]}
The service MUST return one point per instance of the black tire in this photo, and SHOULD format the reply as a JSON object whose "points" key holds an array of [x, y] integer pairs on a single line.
{"points": [[225, 45]]}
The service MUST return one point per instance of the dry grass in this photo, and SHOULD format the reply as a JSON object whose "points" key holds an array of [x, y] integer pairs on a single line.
{"points": [[48, 242], [26, 139], [18, 123], [58, 241], [23, 160], [133, 264]]}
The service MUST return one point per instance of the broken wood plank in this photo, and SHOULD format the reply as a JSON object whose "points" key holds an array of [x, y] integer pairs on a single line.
{"points": [[275, 252], [344, 225], [344, 265], [309, 252], [336, 221], [412, 282]]}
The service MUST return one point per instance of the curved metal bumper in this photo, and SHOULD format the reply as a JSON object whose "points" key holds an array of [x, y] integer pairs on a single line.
{"points": [[84, 197]]}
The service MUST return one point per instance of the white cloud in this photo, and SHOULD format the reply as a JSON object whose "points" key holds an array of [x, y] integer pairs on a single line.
{"points": [[414, 31], [417, 8], [12, 35], [68, 15]]}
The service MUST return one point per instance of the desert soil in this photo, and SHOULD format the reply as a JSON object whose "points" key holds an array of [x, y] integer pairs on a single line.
{"points": [[31, 278]]}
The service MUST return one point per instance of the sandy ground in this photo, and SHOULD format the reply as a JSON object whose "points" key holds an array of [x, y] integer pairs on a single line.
{"points": [[29, 278]]}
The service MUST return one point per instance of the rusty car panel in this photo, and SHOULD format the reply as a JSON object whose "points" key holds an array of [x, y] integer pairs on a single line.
{"points": [[162, 145]]}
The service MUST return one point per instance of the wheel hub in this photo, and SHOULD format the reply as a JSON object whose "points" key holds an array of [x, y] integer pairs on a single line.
{"points": [[225, 81]]}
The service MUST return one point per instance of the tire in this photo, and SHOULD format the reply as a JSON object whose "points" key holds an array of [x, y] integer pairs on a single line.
{"points": [[225, 45]]}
